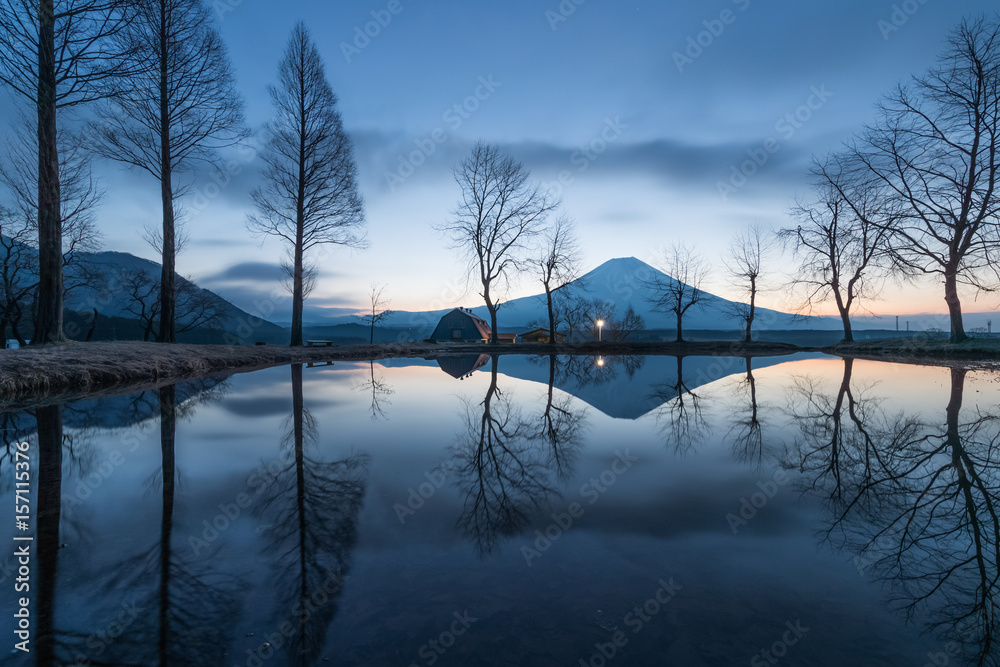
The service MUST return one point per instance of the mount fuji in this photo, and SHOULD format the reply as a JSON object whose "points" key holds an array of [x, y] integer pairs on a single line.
{"points": [[621, 282]]}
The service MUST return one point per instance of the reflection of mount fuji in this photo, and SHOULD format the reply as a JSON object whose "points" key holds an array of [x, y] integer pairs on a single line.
{"points": [[620, 387]]}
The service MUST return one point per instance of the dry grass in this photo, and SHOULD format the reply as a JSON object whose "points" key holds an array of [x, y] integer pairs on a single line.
{"points": [[57, 373], [70, 371]]}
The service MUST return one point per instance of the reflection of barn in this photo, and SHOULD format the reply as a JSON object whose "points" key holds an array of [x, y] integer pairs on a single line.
{"points": [[541, 336], [461, 366], [461, 325]]}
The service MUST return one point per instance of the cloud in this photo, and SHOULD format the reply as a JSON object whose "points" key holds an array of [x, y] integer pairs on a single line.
{"points": [[248, 271]]}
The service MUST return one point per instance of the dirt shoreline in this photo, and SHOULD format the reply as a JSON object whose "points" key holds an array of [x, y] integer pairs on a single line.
{"points": [[59, 373]]}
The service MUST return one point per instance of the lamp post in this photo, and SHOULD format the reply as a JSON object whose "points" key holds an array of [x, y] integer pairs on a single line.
{"points": [[600, 327]]}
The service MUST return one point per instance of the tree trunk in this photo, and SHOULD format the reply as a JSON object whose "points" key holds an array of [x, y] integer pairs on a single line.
{"points": [[168, 332], [49, 314], [93, 327], [168, 430], [954, 305], [748, 335], [845, 317], [680, 327], [297, 290], [298, 295], [490, 306], [15, 331], [48, 513], [552, 315]]}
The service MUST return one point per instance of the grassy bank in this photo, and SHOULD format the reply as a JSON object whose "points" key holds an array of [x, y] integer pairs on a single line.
{"points": [[59, 373], [909, 349]]}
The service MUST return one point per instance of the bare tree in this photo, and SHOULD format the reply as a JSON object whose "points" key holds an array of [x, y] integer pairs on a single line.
{"points": [[79, 197], [310, 197], [18, 278], [681, 289], [623, 327], [379, 310], [599, 314], [935, 148], [499, 213], [175, 113], [559, 264], [573, 311], [745, 265], [58, 54], [196, 307], [842, 241]]}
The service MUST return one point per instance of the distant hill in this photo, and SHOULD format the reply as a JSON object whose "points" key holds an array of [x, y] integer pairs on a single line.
{"points": [[107, 295]]}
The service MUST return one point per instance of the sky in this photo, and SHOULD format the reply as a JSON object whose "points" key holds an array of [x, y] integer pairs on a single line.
{"points": [[633, 112]]}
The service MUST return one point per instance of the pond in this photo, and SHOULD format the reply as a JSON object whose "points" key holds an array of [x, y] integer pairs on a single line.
{"points": [[802, 510]]}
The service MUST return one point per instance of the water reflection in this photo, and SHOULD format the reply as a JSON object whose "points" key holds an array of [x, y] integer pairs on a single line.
{"points": [[320, 567], [310, 510], [914, 503], [681, 417], [501, 470]]}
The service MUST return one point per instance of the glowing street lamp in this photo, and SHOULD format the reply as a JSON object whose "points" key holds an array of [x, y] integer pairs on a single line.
{"points": [[600, 328], [600, 362]]}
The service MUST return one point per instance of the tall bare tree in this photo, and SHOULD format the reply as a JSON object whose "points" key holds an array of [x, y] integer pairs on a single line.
{"points": [[310, 197], [935, 146], [500, 211], [177, 112], [79, 197], [681, 289], [379, 310], [842, 240], [559, 263], [58, 54], [747, 251]]}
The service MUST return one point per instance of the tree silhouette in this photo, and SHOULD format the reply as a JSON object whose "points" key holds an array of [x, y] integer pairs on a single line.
{"points": [[311, 507], [501, 472]]}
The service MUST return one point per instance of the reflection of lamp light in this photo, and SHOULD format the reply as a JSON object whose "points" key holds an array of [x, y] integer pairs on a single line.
{"points": [[600, 327], [600, 362]]}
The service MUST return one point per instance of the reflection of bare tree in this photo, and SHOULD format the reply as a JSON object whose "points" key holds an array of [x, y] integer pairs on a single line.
{"points": [[312, 510], [919, 508], [380, 390], [501, 472], [681, 417], [561, 427], [747, 431], [190, 605], [587, 371], [48, 512]]}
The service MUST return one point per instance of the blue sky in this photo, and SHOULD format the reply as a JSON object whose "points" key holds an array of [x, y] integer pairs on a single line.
{"points": [[546, 82]]}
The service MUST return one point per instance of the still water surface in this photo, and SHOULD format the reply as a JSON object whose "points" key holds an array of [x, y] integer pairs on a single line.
{"points": [[518, 511]]}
